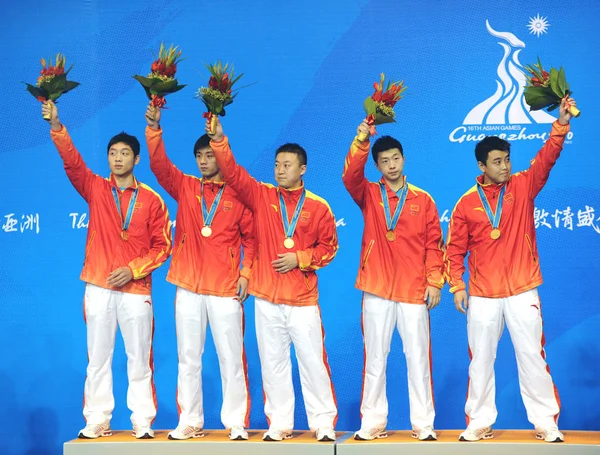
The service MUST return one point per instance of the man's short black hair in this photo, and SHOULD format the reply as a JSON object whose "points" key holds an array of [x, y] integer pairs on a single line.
{"points": [[291, 147], [125, 138], [383, 144], [485, 146], [202, 143]]}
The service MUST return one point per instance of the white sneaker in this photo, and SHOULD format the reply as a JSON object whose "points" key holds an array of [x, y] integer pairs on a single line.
{"points": [[549, 434], [186, 432], [94, 431], [142, 432], [325, 434], [424, 434], [370, 434], [277, 435], [475, 434], [238, 434]]}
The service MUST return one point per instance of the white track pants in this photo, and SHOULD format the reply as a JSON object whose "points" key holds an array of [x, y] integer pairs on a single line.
{"points": [[277, 326], [226, 317], [103, 311], [523, 317], [379, 319]]}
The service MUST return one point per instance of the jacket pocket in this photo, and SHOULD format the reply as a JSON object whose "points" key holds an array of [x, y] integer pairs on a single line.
{"points": [[179, 248], [367, 254], [231, 256], [89, 246], [530, 246], [474, 265], [306, 282]]}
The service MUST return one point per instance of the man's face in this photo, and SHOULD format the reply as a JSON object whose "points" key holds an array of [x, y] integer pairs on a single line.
{"points": [[288, 170], [391, 164], [497, 168], [121, 159], [207, 163]]}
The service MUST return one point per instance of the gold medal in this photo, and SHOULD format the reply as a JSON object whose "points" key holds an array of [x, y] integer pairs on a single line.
{"points": [[495, 234], [206, 231], [390, 235], [289, 243], [124, 235]]}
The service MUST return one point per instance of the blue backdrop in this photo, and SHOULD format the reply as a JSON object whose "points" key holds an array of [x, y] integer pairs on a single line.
{"points": [[314, 63]]}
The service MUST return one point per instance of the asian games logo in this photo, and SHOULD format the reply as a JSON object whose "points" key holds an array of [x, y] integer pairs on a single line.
{"points": [[505, 113]]}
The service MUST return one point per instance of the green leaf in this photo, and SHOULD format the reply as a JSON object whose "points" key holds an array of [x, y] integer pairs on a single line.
{"points": [[36, 91], [163, 87], [381, 118], [70, 85], [552, 107], [562, 83], [540, 97], [146, 81], [236, 79], [370, 106], [554, 82]]}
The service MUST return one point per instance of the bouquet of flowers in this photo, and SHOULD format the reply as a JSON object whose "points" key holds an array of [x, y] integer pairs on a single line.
{"points": [[161, 81], [219, 92], [52, 81], [379, 107], [545, 90]]}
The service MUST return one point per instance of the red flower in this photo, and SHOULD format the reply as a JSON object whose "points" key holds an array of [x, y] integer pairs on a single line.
{"points": [[213, 83], [224, 85], [170, 71]]}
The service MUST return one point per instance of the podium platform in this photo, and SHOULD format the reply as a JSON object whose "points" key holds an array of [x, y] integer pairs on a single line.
{"points": [[214, 442], [512, 442]]}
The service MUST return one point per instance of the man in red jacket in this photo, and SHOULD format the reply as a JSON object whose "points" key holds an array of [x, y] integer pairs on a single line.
{"points": [[212, 225], [295, 235], [128, 237], [400, 274], [494, 223]]}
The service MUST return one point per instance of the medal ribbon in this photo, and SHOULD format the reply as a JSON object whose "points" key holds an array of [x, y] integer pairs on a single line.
{"points": [[207, 216], [494, 219], [402, 193], [129, 215], [290, 227]]}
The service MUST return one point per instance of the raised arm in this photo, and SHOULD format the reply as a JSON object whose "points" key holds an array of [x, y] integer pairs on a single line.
{"points": [[235, 175], [354, 167], [168, 176], [546, 158], [81, 177]]}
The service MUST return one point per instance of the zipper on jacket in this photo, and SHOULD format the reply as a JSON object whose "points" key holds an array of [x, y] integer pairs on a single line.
{"points": [[179, 247], [367, 253], [306, 283], [89, 246], [232, 263], [530, 245]]}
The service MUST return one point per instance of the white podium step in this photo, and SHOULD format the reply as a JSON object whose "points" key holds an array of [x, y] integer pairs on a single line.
{"points": [[214, 442], [505, 442]]}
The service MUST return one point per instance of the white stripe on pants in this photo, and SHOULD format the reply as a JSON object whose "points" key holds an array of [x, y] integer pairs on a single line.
{"points": [[277, 326], [380, 317], [104, 309], [226, 317], [485, 325]]}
